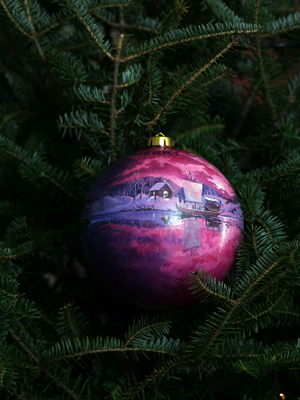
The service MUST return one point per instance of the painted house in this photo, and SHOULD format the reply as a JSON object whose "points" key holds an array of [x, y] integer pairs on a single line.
{"points": [[161, 189]]}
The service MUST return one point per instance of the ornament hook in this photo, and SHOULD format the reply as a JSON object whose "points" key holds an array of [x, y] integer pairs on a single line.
{"points": [[160, 140]]}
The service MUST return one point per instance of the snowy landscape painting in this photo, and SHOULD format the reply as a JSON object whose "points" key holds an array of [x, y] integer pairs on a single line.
{"points": [[157, 193], [152, 218]]}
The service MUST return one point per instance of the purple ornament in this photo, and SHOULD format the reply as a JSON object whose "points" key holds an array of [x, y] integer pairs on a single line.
{"points": [[153, 217]]}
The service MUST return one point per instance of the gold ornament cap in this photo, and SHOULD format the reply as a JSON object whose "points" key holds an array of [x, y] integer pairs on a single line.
{"points": [[160, 140]]}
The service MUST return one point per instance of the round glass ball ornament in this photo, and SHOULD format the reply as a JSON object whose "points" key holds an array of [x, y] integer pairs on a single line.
{"points": [[156, 215]]}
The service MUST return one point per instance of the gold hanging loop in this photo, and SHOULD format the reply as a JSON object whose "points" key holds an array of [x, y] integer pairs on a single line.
{"points": [[160, 140]]}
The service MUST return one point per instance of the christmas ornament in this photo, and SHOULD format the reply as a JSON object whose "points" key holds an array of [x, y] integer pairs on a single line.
{"points": [[156, 215]]}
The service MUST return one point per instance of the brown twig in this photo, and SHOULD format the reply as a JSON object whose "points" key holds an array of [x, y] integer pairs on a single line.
{"points": [[33, 34], [117, 58]]}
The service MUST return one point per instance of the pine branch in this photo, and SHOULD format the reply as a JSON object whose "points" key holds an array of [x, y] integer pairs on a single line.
{"points": [[47, 372], [156, 375], [176, 12], [218, 329], [117, 59], [87, 168], [222, 11], [181, 36], [26, 64], [199, 129], [74, 349], [79, 121], [90, 10], [90, 25], [23, 346], [205, 285], [35, 167], [218, 321], [256, 13], [144, 329], [61, 385], [9, 117], [33, 33], [61, 187], [264, 80], [282, 25], [124, 25], [71, 323], [186, 84], [18, 10], [263, 312]]}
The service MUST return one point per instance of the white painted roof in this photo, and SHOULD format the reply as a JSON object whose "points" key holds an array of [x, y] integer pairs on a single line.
{"points": [[160, 185]]}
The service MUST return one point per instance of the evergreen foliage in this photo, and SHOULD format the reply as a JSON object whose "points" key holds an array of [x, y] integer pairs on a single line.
{"points": [[84, 82]]}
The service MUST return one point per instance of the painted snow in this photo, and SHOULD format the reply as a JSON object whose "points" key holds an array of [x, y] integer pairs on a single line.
{"points": [[153, 217]]}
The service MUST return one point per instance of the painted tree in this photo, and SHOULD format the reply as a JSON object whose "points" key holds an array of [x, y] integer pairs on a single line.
{"points": [[135, 187]]}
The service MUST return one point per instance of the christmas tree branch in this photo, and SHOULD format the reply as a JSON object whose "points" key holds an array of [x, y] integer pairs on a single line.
{"points": [[62, 126], [242, 300], [57, 184], [271, 308], [147, 338], [282, 25], [48, 320], [210, 82], [261, 66], [113, 98], [15, 49], [85, 169], [70, 321], [264, 80], [259, 278], [256, 12], [86, 20], [33, 167], [253, 235], [33, 34], [199, 128], [110, 350], [27, 248], [198, 278], [124, 25], [95, 148], [186, 84], [281, 31], [286, 312], [221, 11], [156, 375], [72, 17], [10, 117], [61, 385], [23, 346], [266, 228], [14, 21], [182, 9], [219, 328], [41, 366], [144, 328], [267, 285], [153, 47]]}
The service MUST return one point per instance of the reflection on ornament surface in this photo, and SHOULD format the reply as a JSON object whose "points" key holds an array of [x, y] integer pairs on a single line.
{"points": [[153, 217]]}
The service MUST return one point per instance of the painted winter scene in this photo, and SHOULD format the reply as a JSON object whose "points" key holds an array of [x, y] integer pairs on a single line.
{"points": [[155, 216]]}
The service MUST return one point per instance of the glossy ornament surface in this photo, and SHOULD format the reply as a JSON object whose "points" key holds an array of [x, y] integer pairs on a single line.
{"points": [[154, 216]]}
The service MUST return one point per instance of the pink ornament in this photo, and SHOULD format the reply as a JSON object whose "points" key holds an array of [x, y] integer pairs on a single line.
{"points": [[153, 217]]}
